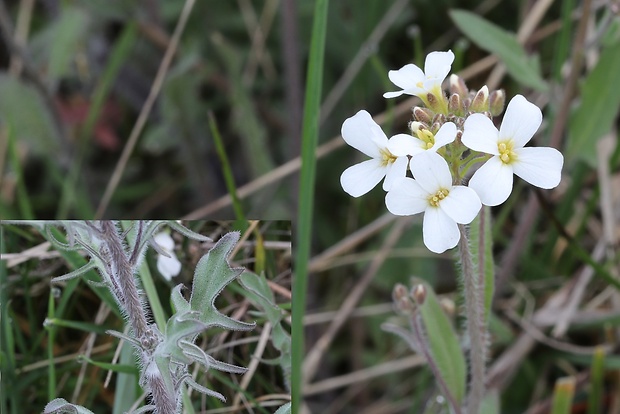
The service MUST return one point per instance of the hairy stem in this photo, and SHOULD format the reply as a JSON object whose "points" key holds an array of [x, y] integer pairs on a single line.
{"points": [[474, 310], [123, 272]]}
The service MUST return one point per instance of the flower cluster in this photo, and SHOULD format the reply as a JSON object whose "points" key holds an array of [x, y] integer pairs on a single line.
{"points": [[449, 135]]}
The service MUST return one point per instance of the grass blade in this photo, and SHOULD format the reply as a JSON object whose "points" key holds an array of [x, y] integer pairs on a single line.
{"points": [[306, 191]]}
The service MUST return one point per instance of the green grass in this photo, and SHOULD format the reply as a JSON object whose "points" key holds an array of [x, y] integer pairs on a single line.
{"points": [[310, 133]]}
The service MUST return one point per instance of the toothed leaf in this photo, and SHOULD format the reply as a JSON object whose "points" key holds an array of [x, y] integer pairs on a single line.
{"points": [[261, 295], [212, 275]]}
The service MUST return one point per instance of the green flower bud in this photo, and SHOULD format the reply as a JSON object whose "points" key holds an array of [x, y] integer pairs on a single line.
{"points": [[457, 86], [480, 103], [496, 102]]}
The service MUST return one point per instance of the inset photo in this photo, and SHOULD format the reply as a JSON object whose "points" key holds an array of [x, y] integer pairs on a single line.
{"points": [[145, 316]]}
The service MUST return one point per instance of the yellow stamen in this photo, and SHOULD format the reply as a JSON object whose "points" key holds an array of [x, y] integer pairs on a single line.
{"points": [[387, 157], [506, 154], [427, 137], [436, 198]]}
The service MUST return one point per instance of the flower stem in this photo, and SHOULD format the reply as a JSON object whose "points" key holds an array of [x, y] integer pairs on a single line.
{"points": [[474, 309]]}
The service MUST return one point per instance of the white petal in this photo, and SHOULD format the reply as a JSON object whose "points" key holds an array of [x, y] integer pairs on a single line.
{"points": [[363, 134], [541, 167], [392, 94], [492, 182], [164, 240], [521, 121], [404, 144], [168, 266], [360, 178], [480, 134], [440, 231], [437, 65], [406, 77], [395, 171], [431, 171], [462, 204], [406, 197], [445, 135]]}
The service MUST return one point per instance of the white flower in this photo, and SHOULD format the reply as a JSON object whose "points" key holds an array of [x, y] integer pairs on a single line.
{"points": [[415, 82], [444, 205], [167, 266], [540, 167], [363, 134], [425, 141]]}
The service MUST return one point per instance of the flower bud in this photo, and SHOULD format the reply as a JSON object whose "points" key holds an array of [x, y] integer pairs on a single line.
{"points": [[438, 119], [457, 86], [455, 105], [448, 306], [480, 103], [423, 115], [399, 292], [418, 293], [414, 126], [496, 102], [436, 103]]}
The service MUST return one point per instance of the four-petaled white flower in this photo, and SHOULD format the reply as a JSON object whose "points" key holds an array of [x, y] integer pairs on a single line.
{"points": [[538, 166], [167, 266], [425, 140], [363, 134], [415, 82], [444, 205]]}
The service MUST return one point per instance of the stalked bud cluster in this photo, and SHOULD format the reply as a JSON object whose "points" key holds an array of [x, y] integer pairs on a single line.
{"points": [[400, 296], [463, 101]]}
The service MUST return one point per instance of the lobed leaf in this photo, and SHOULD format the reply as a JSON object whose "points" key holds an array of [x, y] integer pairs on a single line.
{"points": [[60, 405], [212, 275]]}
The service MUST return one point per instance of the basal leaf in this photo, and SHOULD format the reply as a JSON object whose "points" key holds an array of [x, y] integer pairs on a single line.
{"points": [[600, 102], [501, 43], [18, 104], [444, 345], [66, 40]]}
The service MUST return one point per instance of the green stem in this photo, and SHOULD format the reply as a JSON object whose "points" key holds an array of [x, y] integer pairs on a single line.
{"points": [[473, 292]]}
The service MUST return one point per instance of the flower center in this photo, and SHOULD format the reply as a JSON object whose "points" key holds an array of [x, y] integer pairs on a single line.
{"points": [[506, 154], [427, 137], [387, 157], [436, 198]]}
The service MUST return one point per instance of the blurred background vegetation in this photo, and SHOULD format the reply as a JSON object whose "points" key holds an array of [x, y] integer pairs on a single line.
{"points": [[244, 62]]}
